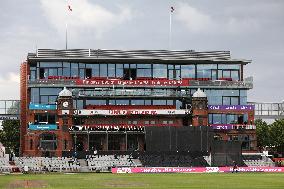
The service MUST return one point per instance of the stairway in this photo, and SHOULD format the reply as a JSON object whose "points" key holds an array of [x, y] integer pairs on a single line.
{"points": [[83, 166]]}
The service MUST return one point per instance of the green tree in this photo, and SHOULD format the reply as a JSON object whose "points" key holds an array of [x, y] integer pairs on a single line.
{"points": [[10, 135], [263, 134], [277, 135]]}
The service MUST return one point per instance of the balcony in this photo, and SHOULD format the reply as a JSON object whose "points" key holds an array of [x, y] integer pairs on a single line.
{"points": [[51, 83], [246, 84], [87, 112], [151, 82], [132, 93]]}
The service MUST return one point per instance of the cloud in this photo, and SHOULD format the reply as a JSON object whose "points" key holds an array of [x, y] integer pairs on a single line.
{"points": [[198, 21], [194, 19], [11, 78], [85, 16], [11, 86]]}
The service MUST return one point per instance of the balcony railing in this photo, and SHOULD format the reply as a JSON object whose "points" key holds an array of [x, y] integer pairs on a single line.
{"points": [[186, 82], [247, 83], [133, 93]]}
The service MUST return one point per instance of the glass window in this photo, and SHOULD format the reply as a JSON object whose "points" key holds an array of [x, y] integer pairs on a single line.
{"points": [[74, 70], [234, 100], [50, 91], [119, 70], [103, 70], [147, 66], [44, 99], [144, 73], [159, 102], [95, 102], [235, 75], [160, 70], [66, 69], [35, 95], [226, 101], [50, 64], [33, 75], [229, 66], [122, 102], [231, 119], [137, 102], [170, 102], [217, 119], [111, 70], [148, 102], [188, 71]]}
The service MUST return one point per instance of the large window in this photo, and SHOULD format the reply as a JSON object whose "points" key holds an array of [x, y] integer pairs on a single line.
{"points": [[160, 70], [206, 71], [229, 71], [226, 97], [187, 71], [228, 118], [144, 70], [48, 141], [45, 118], [44, 95]]}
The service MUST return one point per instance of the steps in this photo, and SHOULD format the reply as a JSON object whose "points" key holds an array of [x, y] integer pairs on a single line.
{"points": [[83, 166]]}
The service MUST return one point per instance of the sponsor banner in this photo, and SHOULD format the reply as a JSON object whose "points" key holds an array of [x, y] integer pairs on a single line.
{"points": [[195, 169], [230, 126], [42, 127], [42, 107], [7, 117], [231, 107], [162, 82], [132, 112]]}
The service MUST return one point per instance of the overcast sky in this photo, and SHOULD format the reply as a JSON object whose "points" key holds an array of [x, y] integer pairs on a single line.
{"points": [[250, 29]]}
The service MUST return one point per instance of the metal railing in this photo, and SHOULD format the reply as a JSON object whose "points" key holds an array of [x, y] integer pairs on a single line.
{"points": [[248, 84], [273, 110], [133, 93], [9, 109], [221, 83]]}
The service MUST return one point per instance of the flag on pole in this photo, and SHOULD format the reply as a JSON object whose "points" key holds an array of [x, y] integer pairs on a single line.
{"points": [[172, 9]]}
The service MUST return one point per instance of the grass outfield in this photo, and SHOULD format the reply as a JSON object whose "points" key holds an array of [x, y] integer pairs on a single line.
{"points": [[108, 180]]}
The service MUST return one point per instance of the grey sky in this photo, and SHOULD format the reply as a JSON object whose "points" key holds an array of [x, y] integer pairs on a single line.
{"points": [[250, 29]]}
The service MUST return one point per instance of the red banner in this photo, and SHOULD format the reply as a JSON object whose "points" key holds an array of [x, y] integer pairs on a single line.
{"points": [[156, 82]]}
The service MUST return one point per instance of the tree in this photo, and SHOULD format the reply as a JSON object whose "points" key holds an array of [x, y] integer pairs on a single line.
{"points": [[263, 134], [10, 135], [277, 135]]}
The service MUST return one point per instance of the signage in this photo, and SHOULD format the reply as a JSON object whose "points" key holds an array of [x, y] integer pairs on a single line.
{"points": [[42, 107], [232, 126], [42, 127], [7, 117], [132, 112], [156, 82], [195, 169], [231, 107]]}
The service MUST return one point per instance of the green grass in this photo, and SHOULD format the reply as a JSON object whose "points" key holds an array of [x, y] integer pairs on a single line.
{"points": [[189, 180]]}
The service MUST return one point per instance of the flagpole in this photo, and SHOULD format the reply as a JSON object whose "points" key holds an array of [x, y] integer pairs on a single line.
{"points": [[66, 35], [170, 33]]}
